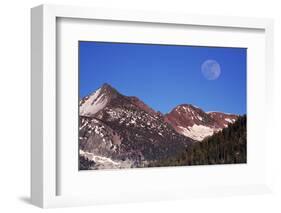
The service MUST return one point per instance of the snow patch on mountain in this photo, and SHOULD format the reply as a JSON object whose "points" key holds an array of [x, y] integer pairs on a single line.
{"points": [[102, 162], [196, 132], [226, 113], [230, 120], [93, 103]]}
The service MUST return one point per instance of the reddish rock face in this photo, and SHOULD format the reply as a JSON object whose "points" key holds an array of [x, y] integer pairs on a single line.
{"points": [[193, 122], [222, 120], [187, 115], [140, 104]]}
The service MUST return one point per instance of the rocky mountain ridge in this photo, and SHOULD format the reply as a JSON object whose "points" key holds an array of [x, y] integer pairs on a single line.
{"points": [[118, 131], [193, 122]]}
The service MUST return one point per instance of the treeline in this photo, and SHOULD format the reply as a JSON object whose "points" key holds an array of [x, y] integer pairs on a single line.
{"points": [[225, 147]]}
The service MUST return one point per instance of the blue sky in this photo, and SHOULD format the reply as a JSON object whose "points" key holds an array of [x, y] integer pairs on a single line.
{"points": [[164, 76]]}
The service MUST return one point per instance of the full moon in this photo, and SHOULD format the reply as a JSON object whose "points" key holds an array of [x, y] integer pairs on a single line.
{"points": [[211, 69]]}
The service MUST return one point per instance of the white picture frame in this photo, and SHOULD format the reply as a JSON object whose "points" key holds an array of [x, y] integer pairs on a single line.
{"points": [[44, 154]]}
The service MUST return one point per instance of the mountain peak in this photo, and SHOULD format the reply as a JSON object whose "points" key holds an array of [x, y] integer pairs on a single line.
{"points": [[186, 109], [109, 91], [107, 86], [192, 121], [92, 104], [190, 106]]}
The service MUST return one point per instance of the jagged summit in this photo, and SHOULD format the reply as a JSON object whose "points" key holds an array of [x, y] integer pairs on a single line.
{"points": [[109, 91], [193, 122], [106, 94], [108, 87], [96, 101], [186, 108], [187, 105]]}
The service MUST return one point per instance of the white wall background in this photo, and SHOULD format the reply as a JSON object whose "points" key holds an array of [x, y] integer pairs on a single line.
{"points": [[15, 103]]}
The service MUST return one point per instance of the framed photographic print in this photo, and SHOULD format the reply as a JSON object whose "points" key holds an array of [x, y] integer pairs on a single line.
{"points": [[122, 131], [149, 106]]}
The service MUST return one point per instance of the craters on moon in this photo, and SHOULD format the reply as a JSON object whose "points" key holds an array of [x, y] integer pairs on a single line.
{"points": [[211, 69]]}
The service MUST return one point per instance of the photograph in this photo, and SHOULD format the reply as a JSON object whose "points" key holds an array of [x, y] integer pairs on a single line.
{"points": [[160, 105]]}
